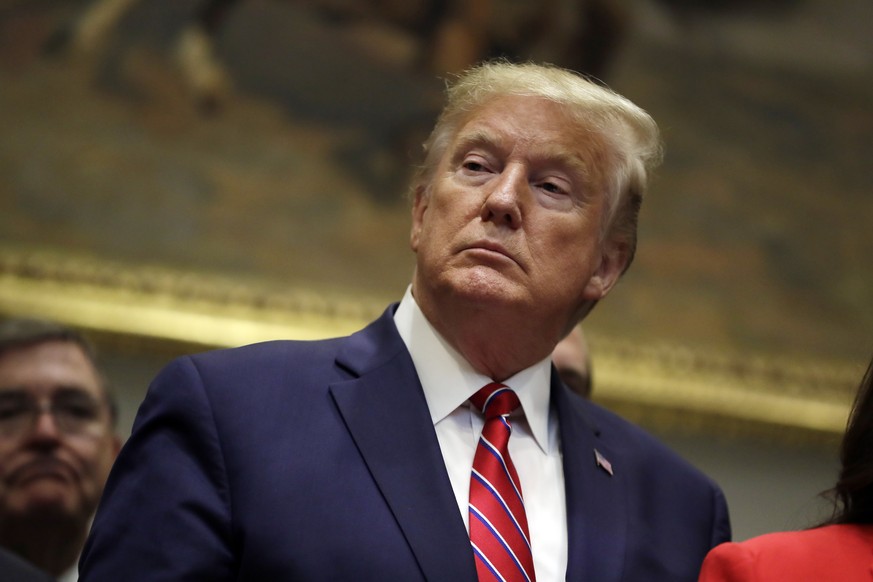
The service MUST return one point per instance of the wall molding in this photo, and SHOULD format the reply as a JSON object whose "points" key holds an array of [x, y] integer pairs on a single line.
{"points": [[668, 387]]}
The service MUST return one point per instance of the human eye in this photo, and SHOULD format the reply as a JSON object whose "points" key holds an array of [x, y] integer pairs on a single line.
{"points": [[555, 188], [474, 164], [552, 188], [13, 406], [76, 406], [78, 410]]}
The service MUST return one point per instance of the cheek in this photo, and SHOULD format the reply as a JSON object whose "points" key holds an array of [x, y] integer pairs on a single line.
{"points": [[451, 202], [103, 459], [7, 452], [90, 458], [440, 226], [106, 462], [573, 240], [574, 260]]}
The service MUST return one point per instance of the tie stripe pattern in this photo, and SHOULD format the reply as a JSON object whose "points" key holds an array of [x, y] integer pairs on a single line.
{"points": [[498, 524]]}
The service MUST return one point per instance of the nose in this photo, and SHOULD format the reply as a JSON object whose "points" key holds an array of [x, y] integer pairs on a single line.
{"points": [[502, 206], [45, 426]]}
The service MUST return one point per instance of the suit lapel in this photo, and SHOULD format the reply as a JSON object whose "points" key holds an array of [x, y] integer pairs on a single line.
{"points": [[386, 413], [596, 500]]}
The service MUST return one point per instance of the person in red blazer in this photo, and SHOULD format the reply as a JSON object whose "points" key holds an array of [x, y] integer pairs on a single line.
{"points": [[840, 549]]}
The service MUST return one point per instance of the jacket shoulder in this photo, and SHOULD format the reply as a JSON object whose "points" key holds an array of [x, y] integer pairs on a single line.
{"points": [[636, 442], [835, 552]]}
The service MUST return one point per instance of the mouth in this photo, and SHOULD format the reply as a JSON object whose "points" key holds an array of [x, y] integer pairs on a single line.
{"points": [[41, 469], [490, 251]]}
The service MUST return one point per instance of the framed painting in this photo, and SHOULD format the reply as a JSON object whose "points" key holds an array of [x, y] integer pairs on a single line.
{"points": [[250, 184]]}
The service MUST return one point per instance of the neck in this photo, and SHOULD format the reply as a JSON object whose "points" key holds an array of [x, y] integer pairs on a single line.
{"points": [[497, 342]]}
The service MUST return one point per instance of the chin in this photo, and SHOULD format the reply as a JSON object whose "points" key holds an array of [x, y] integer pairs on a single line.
{"points": [[51, 498], [489, 298], [58, 514], [484, 284]]}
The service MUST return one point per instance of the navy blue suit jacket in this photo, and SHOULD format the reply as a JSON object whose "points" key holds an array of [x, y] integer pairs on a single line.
{"points": [[319, 461]]}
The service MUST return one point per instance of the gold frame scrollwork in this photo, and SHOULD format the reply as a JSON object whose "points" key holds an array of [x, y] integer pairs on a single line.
{"points": [[662, 386]]}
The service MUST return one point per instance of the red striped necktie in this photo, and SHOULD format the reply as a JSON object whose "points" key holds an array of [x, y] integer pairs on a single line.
{"points": [[498, 524]]}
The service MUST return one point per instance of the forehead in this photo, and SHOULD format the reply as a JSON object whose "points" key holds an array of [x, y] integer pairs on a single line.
{"points": [[46, 367], [520, 118], [537, 127]]}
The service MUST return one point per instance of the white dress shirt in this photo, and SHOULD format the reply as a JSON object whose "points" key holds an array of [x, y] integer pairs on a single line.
{"points": [[448, 381], [71, 575]]}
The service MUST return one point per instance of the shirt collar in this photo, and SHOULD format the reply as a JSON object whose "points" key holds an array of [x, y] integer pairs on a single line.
{"points": [[449, 380]]}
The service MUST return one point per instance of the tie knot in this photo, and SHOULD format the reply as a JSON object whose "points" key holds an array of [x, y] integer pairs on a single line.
{"points": [[495, 400]]}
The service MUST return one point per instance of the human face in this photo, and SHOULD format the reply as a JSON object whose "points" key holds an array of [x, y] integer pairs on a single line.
{"points": [[514, 213], [45, 468]]}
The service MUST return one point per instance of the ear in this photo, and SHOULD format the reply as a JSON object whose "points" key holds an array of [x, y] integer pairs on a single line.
{"points": [[613, 260], [419, 206]]}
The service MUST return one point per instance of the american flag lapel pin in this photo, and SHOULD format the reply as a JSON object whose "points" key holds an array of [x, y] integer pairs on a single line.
{"points": [[602, 462]]}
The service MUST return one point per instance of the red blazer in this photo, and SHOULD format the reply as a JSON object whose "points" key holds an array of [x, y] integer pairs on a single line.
{"points": [[841, 553]]}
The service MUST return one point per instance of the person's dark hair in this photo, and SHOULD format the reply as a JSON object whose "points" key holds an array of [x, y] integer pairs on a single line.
{"points": [[22, 332], [853, 493]]}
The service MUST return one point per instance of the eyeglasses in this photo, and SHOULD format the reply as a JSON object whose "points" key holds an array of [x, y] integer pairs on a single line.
{"points": [[74, 412]]}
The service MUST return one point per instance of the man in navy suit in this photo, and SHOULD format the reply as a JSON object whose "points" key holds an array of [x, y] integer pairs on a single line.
{"points": [[350, 458]]}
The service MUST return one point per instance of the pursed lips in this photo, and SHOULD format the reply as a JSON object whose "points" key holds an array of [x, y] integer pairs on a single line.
{"points": [[41, 469], [492, 247]]}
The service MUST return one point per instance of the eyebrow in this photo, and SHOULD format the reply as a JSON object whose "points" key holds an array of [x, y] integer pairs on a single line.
{"points": [[64, 390], [479, 137], [573, 160]]}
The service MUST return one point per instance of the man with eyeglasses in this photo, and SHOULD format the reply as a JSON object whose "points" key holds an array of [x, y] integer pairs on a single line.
{"points": [[57, 442]]}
